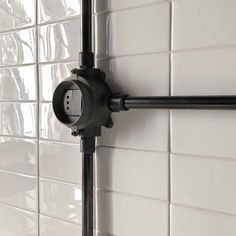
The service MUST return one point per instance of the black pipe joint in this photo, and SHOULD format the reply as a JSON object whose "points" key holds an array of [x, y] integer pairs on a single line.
{"points": [[80, 102]]}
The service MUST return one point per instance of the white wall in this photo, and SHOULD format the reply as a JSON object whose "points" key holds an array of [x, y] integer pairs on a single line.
{"points": [[159, 173]]}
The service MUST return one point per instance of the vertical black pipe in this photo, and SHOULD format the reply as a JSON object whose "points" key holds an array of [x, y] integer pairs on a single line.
{"points": [[87, 149], [86, 55], [87, 194]]}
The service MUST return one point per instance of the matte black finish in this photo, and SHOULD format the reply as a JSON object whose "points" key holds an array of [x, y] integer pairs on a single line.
{"points": [[86, 26], [87, 149], [122, 103]]}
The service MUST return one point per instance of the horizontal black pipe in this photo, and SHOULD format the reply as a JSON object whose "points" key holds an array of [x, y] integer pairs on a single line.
{"points": [[119, 103]]}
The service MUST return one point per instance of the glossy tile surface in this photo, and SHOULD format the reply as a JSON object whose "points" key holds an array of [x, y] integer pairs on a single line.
{"points": [[205, 183], [51, 75], [60, 161], [18, 83], [208, 133], [19, 119], [195, 222], [130, 215], [20, 190], [60, 200], [203, 23], [15, 14], [50, 226], [18, 155], [118, 34], [56, 10], [59, 41], [150, 169], [51, 128], [218, 77], [109, 5], [123, 72], [17, 47], [132, 130], [17, 222]]}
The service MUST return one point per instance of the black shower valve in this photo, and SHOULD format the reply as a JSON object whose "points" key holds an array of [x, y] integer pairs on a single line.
{"points": [[80, 102]]}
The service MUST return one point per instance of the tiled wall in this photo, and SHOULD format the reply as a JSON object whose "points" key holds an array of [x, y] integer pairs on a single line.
{"points": [[158, 173]]}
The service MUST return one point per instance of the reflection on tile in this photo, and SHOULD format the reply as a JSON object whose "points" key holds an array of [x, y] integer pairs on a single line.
{"points": [[126, 215], [15, 14], [210, 72], [18, 222], [18, 119], [205, 133], [59, 41], [19, 155], [150, 169], [111, 5], [203, 23], [18, 190], [123, 72], [64, 9], [134, 31], [60, 161], [146, 130], [51, 75], [18, 83], [60, 200], [17, 47], [51, 128], [53, 227], [192, 221], [204, 182]]}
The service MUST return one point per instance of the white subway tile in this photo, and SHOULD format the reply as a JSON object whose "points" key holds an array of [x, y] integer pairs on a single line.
{"points": [[207, 72], [18, 222], [15, 14], [141, 30], [203, 182], [57, 9], [50, 227], [51, 128], [149, 73], [18, 190], [60, 200], [60, 161], [59, 41], [140, 129], [133, 172], [111, 5], [210, 133], [17, 47], [203, 23], [18, 119], [50, 76], [18, 83], [125, 215], [194, 222], [18, 155]]}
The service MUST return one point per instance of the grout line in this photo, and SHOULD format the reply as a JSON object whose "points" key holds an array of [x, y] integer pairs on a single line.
{"points": [[129, 194], [203, 209], [170, 89], [18, 101], [37, 123], [60, 21], [131, 149], [61, 220], [18, 173], [131, 55], [16, 66], [131, 7], [18, 208], [17, 29], [18, 137], [196, 156]]}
